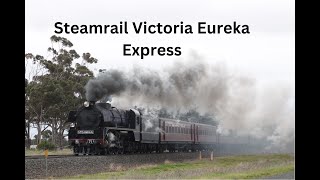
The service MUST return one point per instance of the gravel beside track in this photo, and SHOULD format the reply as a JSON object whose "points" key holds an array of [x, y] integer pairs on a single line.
{"points": [[74, 165]]}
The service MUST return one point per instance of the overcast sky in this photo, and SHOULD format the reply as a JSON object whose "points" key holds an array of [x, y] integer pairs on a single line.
{"points": [[267, 53]]}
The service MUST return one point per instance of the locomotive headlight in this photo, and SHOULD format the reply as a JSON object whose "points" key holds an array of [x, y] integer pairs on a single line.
{"points": [[77, 141], [86, 104]]}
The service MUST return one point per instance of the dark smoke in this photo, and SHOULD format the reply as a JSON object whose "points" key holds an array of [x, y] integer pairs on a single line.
{"points": [[175, 87], [110, 83]]}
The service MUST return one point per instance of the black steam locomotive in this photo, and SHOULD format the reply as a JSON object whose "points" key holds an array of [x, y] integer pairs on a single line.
{"points": [[102, 129]]}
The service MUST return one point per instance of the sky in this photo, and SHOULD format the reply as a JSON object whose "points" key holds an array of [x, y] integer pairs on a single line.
{"points": [[267, 53]]}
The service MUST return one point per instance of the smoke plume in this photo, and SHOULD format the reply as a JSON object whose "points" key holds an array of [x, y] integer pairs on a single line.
{"points": [[232, 98]]}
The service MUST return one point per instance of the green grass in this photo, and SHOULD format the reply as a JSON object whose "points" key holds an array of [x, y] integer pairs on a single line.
{"points": [[165, 167], [232, 167], [250, 174]]}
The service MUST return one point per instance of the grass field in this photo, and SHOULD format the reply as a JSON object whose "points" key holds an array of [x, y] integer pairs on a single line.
{"points": [[232, 167], [40, 152]]}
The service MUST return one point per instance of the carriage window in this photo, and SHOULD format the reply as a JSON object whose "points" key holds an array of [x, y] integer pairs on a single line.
{"points": [[166, 129]]}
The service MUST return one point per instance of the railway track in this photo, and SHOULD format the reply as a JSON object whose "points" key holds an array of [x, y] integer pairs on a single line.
{"points": [[205, 153], [49, 156], [70, 155]]}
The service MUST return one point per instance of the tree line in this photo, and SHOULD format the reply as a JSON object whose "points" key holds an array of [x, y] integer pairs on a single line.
{"points": [[54, 86]]}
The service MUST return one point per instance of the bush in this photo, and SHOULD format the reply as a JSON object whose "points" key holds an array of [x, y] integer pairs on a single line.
{"points": [[46, 145]]}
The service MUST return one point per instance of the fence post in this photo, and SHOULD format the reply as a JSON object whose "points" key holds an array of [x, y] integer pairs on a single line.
{"points": [[46, 155], [200, 157], [211, 157]]}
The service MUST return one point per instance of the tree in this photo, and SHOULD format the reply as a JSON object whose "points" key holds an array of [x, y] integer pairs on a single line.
{"points": [[47, 135], [53, 94], [34, 69]]}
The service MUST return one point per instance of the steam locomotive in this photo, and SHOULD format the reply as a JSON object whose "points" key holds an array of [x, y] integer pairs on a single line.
{"points": [[99, 129]]}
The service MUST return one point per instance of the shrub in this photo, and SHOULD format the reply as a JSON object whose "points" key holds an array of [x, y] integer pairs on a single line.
{"points": [[46, 145]]}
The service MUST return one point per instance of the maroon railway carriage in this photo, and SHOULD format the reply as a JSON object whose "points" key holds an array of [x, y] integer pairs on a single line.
{"points": [[177, 134]]}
